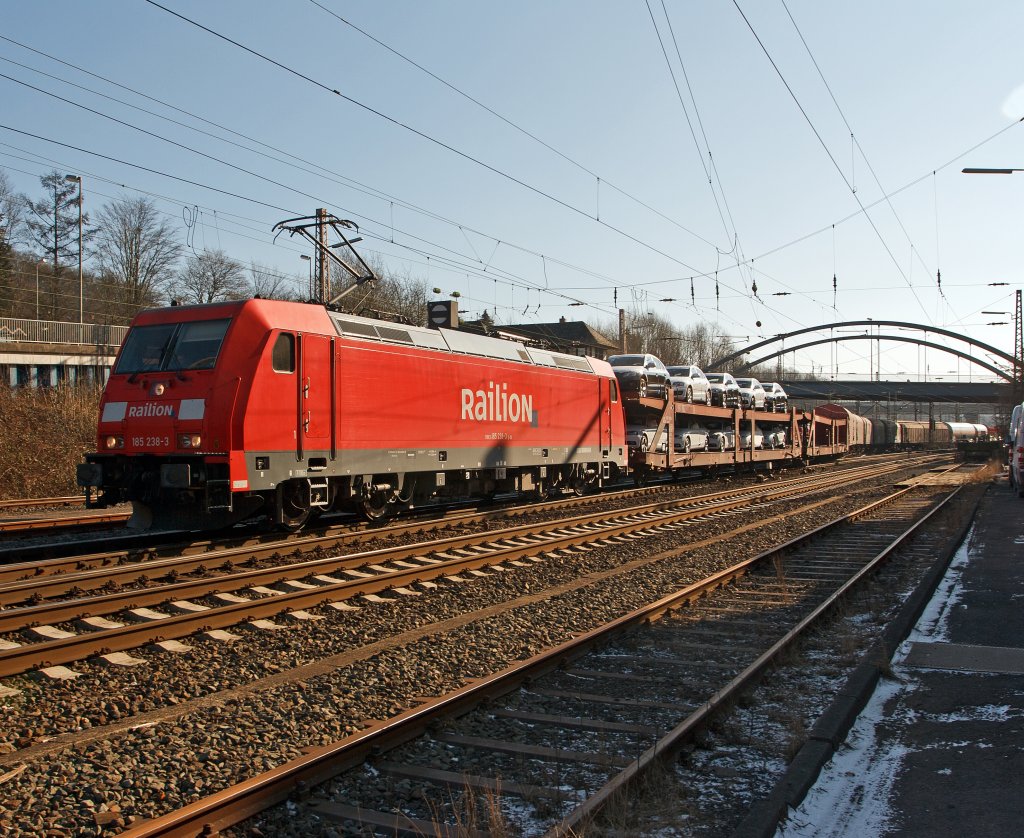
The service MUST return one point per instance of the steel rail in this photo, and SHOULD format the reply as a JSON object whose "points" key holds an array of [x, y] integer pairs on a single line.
{"points": [[574, 532], [16, 617], [152, 562], [95, 519], [21, 503], [14, 571], [669, 744], [67, 650], [236, 803]]}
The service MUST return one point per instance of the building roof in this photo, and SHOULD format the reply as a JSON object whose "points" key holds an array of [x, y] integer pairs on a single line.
{"points": [[562, 336]]}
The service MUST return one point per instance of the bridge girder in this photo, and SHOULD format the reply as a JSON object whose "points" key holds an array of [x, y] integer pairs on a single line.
{"points": [[1016, 363], [950, 350]]}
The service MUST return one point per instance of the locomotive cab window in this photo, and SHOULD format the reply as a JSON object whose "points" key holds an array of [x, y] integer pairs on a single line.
{"points": [[613, 389], [172, 346], [144, 348], [284, 353], [197, 345]]}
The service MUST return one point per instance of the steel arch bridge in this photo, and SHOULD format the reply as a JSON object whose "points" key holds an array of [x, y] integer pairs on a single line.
{"points": [[1015, 363]]}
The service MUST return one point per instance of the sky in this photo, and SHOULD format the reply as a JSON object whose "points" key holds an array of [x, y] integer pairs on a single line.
{"points": [[567, 159]]}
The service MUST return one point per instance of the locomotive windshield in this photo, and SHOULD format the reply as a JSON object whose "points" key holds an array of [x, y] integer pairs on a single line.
{"points": [[172, 346]]}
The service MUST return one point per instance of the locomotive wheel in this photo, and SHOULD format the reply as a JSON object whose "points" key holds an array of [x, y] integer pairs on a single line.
{"points": [[377, 509], [295, 514]]}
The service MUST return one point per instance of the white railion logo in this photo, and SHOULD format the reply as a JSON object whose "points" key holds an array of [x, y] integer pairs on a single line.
{"points": [[150, 409], [496, 404]]}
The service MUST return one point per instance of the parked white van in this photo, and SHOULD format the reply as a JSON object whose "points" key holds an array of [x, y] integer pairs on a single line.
{"points": [[1016, 453]]}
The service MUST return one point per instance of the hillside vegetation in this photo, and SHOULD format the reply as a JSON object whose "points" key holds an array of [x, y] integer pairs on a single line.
{"points": [[43, 435]]}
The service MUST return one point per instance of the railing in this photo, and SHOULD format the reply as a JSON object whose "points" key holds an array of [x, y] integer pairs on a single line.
{"points": [[15, 330]]}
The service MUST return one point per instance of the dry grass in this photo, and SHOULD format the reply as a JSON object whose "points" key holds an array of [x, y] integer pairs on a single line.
{"points": [[474, 812], [984, 474], [43, 435]]}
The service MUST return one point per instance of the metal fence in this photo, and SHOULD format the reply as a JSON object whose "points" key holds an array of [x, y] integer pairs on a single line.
{"points": [[15, 330]]}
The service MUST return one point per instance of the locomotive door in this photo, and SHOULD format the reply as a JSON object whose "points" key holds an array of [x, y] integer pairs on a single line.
{"points": [[316, 396], [603, 423]]}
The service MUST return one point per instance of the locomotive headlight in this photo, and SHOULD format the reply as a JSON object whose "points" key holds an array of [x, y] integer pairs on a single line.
{"points": [[115, 442], [189, 440], [158, 389]]}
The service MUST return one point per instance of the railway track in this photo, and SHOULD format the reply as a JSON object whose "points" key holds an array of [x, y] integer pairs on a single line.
{"points": [[554, 737], [711, 530], [35, 503], [48, 533], [116, 618], [89, 520]]}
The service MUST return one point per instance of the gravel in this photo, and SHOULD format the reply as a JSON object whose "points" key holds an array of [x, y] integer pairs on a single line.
{"points": [[141, 741]]}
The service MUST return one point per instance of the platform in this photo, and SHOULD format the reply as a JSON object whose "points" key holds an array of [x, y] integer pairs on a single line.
{"points": [[939, 747]]}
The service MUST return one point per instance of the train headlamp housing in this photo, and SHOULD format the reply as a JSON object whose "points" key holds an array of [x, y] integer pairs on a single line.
{"points": [[189, 440], [114, 441]]}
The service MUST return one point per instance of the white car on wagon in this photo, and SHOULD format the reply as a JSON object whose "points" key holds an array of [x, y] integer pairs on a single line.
{"points": [[690, 439], [690, 384], [752, 395], [641, 438]]}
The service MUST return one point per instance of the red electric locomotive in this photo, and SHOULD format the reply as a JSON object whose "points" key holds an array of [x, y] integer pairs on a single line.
{"points": [[215, 413]]}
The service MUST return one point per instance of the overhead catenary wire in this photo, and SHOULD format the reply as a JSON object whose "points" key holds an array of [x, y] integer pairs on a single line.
{"points": [[828, 152], [610, 280], [854, 142], [484, 248], [728, 226], [514, 125], [428, 138], [278, 183]]}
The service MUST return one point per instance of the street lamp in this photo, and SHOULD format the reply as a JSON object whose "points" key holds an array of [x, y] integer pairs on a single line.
{"points": [[81, 286], [991, 171]]}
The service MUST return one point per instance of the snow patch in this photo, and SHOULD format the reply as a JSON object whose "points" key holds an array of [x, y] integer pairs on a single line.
{"points": [[852, 794]]}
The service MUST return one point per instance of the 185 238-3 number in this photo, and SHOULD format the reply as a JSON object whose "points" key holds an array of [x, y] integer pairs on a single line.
{"points": [[150, 441]]}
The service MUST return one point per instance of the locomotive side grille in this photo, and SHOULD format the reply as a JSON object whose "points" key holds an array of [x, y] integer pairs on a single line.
{"points": [[571, 363], [353, 327], [396, 335]]}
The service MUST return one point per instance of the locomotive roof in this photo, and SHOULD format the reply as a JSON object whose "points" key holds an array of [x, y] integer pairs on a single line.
{"points": [[366, 328], [454, 340]]}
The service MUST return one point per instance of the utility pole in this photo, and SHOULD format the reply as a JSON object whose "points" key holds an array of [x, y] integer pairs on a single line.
{"points": [[323, 265], [622, 331], [81, 285], [1018, 353]]}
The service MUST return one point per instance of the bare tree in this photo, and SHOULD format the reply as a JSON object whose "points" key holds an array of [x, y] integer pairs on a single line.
{"points": [[136, 249], [208, 277], [392, 295], [271, 284], [696, 343], [12, 215]]}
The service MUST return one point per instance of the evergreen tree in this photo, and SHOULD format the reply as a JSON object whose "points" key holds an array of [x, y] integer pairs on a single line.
{"points": [[52, 221]]}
